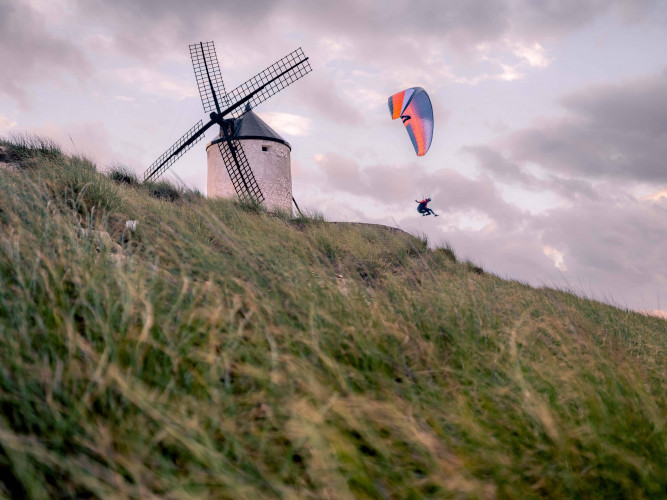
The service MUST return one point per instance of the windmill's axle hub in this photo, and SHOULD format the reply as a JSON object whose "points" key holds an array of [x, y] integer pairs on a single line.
{"points": [[216, 117]]}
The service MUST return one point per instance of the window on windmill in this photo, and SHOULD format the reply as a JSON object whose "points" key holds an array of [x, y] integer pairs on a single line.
{"points": [[265, 148]]}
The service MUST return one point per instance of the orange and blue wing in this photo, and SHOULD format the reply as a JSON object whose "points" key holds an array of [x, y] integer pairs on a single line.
{"points": [[414, 108]]}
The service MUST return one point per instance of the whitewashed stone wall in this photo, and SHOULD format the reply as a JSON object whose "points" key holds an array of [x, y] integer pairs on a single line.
{"points": [[272, 170]]}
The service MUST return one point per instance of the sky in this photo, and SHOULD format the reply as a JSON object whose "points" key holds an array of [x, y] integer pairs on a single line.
{"points": [[549, 156]]}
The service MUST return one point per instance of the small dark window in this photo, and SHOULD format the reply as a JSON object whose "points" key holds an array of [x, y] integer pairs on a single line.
{"points": [[265, 148]]}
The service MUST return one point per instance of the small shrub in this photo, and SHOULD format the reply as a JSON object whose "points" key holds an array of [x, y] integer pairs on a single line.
{"points": [[472, 267], [7, 153], [122, 174], [447, 252], [423, 240], [163, 190], [307, 219]]}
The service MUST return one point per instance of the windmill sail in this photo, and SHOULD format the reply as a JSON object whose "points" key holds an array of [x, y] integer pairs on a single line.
{"points": [[208, 76], [167, 159], [272, 80], [239, 170]]}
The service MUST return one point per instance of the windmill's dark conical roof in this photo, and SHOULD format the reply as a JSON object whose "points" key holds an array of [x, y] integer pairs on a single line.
{"points": [[251, 126]]}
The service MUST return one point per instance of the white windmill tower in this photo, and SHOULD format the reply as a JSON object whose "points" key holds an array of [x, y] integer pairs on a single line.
{"points": [[268, 154]]}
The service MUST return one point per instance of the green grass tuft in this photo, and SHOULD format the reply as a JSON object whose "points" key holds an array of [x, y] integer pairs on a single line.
{"points": [[474, 268], [446, 252], [123, 174], [163, 190], [26, 146]]}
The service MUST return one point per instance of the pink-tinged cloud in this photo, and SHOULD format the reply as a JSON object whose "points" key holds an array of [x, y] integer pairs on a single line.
{"points": [[609, 132], [29, 53], [397, 186]]}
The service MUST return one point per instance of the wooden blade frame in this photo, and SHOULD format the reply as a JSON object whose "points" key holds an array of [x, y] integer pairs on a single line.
{"points": [[239, 170], [167, 159], [208, 76], [272, 80]]}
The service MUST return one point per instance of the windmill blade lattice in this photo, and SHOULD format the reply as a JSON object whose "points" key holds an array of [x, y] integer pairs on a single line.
{"points": [[208, 76], [167, 159], [239, 170], [272, 80]]}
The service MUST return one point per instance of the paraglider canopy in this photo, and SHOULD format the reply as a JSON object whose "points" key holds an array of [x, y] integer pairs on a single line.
{"points": [[414, 108]]}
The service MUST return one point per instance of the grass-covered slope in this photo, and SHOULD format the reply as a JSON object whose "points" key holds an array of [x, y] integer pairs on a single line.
{"points": [[219, 351]]}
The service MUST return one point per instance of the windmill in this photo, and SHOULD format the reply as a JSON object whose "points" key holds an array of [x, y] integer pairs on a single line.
{"points": [[225, 108]]}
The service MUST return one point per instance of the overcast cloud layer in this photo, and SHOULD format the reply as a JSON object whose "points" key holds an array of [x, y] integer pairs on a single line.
{"points": [[548, 163]]}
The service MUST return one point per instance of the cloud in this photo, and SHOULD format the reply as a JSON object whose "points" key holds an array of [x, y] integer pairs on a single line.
{"points": [[461, 25], [604, 241], [507, 60], [493, 163], [410, 43], [154, 29], [609, 132], [398, 186], [29, 53], [657, 195], [420, 38], [287, 123], [557, 256], [90, 139], [608, 250], [509, 74], [534, 55], [615, 246], [637, 105], [508, 252], [549, 20], [324, 97], [341, 173], [6, 124], [152, 82], [610, 138]]}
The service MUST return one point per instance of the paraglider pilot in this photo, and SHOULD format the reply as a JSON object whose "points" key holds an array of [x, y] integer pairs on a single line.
{"points": [[423, 209]]}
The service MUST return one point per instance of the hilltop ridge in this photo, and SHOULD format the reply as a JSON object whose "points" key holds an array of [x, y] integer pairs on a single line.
{"points": [[219, 350]]}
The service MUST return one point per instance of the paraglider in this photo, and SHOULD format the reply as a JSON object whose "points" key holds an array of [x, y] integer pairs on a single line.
{"points": [[423, 209], [414, 108]]}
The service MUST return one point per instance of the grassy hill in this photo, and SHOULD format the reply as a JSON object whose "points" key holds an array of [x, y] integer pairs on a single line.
{"points": [[220, 351]]}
